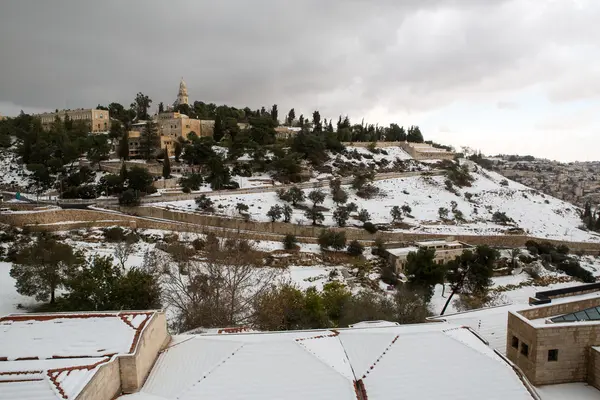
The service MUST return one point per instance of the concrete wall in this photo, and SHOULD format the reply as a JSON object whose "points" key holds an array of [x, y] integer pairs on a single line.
{"points": [[594, 367], [105, 384], [572, 341], [136, 367]]}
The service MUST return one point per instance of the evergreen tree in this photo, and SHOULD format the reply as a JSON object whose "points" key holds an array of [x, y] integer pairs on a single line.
{"points": [[149, 141], [116, 131], [317, 125], [414, 135], [123, 173], [123, 149], [40, 268], [161, 108], [140, 106], [178, 148], [274, 114], [471, 273], [166, 172], [291, 117], [98, 149], [219, 130], [422, 271]]}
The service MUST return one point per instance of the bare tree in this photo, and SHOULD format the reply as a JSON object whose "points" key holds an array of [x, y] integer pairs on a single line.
{"points": [[122, 252], [218, 290]]}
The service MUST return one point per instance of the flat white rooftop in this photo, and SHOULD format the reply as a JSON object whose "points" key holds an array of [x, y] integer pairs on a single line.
{"points": [[426, 361]]}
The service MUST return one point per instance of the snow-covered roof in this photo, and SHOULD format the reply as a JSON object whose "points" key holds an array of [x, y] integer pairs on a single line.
{"points": [[403, 251], [373, 362], [53, 356], [491, 323]]}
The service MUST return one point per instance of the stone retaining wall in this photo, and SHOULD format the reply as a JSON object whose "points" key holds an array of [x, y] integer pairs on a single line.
{"points": [[160, 218]]}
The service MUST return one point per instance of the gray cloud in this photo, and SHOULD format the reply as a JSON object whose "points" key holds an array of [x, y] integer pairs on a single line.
{"points": [[347, 56]]}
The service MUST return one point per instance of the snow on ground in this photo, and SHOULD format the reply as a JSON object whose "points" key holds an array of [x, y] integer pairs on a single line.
{"points": [[305, 277], [538, 214], [574, 391], [392, 153], [11, 172], [9, 298]]}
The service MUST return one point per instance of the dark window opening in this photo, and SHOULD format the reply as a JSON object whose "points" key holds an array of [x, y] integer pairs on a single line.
{"points": [[515, 342], [553, 355], [524, 349]]}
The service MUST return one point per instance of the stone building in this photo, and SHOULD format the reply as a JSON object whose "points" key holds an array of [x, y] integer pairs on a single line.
{"points": [[445, 250], [557, 342], [98, 120], [182, 95], [424, 151], [286, 132], [79, 356]]}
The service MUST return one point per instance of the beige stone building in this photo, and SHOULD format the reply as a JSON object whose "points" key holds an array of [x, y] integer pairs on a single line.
{"points": [[445, 250], [286, 132], [424, 151], [98, 120], [557, 342], [79, 356]]}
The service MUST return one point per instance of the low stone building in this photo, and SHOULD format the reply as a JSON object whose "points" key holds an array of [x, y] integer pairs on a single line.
{"points": [[79, 356], [98, 120], [424, 151], [557, 342], [445, 250], [286, 132]]}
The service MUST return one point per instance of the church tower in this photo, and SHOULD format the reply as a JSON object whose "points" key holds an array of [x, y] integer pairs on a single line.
{"points": [[182, 96]]}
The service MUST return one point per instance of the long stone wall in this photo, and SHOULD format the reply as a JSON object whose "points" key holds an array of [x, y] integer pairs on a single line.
{"points": [[160, 218]]}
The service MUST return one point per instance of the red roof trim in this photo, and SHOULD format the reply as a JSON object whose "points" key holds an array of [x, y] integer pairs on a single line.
{"points": [[50, 317]]}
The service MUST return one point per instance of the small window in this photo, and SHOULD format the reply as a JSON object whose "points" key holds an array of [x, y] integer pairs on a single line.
{"points": [[553, 355], [524, 349], [515, 342]]}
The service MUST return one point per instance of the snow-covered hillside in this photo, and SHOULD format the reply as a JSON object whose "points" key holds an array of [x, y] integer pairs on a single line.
{"points": [[537, 214], [11, 172]]}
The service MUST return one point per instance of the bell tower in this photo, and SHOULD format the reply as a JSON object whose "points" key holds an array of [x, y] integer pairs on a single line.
{"points": [[182, 96]]}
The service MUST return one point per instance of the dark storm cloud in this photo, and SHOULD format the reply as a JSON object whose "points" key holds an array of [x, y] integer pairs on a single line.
{"points": [[338, 55]]}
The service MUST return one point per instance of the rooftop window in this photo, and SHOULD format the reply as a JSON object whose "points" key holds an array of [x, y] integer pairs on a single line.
{"points": [[589, 314]]}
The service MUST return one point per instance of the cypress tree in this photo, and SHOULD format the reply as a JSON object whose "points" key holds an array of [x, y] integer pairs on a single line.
{"points": [[166, 172], [124, 146]]}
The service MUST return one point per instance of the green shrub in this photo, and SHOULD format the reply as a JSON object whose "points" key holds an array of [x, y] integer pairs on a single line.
{"points": [[355, 248], [370, 227], [290, 242]]}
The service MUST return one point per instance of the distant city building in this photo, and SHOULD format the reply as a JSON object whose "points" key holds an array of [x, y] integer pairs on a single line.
{"points": [[98, 120]]}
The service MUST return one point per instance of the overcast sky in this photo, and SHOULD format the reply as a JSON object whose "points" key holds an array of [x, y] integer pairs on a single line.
{"points": [[502, 76]]}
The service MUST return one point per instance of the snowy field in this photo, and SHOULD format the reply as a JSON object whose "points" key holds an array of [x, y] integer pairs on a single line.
{"points": [[538, 214]]}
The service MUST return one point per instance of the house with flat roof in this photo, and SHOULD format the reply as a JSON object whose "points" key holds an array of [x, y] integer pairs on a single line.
{"points": [[83, 356], [556, 342], [378, 360], [553, 340], [445, 250], [130, 355]]}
